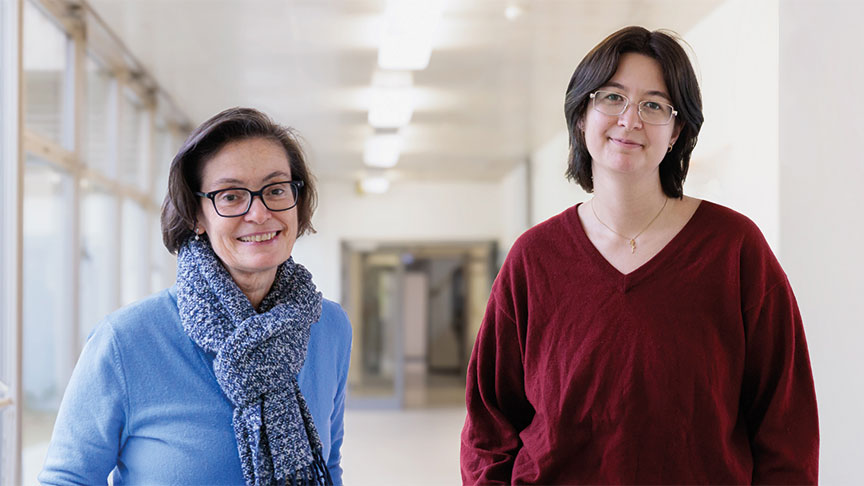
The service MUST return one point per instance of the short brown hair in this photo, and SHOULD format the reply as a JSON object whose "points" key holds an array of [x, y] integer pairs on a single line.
{"points": [[598, 67], [181, 205]]}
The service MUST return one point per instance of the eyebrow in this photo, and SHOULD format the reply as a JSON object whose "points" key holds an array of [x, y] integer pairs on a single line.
{"points": [[229, 180], [613, 84]]}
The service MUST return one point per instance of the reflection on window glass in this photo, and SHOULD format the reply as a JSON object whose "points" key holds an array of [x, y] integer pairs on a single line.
{"points": [[45, 61], [136, 281], [98, 291], [98, 142], [47, 320], [134, 144]]}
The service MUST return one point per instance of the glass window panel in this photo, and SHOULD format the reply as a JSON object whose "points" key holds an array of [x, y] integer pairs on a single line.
{"points": [[5, 200], [164, 265], [100, 138], [45, 57], [98, 273], [7, 418], [47, 321], [136, 279], [134, 142], [165, 151]]}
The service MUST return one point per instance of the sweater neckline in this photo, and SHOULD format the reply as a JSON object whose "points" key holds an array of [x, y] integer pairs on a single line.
{"points": [[626, 281]]}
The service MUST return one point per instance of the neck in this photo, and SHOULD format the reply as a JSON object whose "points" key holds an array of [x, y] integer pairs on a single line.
{"points": [[627, 204], [254, 285]]}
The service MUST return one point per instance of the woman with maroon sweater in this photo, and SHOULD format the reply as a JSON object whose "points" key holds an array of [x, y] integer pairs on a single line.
{"points": [[643, 337]]}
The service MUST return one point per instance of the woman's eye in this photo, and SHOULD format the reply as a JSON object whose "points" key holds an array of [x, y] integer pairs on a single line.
{"points": [[228, 197], [613, 97], [652, 105], [277, 191]]}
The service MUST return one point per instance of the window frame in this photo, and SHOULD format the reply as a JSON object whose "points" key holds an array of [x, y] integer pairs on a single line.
{"points": [[87, 38], [11, 181]]}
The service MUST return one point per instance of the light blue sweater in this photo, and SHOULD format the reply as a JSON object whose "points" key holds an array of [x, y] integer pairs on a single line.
{"points": [[143, 401]]}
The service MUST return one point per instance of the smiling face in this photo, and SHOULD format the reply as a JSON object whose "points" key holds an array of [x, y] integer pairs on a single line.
{"points": [[625, 143], [251, 246]]}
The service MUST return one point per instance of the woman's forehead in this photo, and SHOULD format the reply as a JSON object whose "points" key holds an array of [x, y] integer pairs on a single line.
{"points": [[246, 161], [639, 73]]}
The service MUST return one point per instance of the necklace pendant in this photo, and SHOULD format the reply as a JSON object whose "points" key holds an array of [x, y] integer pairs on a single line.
{"points": [[632, 243]]}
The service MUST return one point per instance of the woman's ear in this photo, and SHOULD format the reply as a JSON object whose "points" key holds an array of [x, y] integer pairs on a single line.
{"points": [[197, 227], [675, 133]]}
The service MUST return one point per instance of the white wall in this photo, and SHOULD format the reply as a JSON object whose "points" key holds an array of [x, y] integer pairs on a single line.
{"points": [[736, 161], [514, 207], [550, 190], [821, 174], [410, 211]]}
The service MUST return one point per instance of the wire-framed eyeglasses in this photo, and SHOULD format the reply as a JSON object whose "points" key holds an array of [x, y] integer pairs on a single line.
{"points": [[236, 201], [650, 111]]}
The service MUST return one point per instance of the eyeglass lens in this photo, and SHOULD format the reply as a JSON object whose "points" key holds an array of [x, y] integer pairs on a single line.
{"points": [[276, 197], [614, 104]]}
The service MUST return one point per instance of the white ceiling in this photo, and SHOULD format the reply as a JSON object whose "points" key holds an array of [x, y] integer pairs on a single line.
{"points": [[493, 90]]}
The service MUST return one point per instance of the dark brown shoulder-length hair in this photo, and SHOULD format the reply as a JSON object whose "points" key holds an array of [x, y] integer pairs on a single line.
{"points": [[181, 205], [598, 67]]}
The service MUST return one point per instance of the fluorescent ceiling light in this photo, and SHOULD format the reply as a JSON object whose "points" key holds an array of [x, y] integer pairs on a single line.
{"points": [[409, 29], [392, 102], [382, 150], [374, 185], [512, 12]]}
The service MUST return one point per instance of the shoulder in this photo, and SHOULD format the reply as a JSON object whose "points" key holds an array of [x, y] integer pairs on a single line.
{"points": [[539, 250], [759, 269], [143, 320], [329, 342], [159, 304], [546, 238], [548, 232], [129, 336], [722, 219], [333, 326]]}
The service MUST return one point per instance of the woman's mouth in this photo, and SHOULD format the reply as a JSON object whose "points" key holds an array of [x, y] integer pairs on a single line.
{"points": [[257, 238], [625, 143]]}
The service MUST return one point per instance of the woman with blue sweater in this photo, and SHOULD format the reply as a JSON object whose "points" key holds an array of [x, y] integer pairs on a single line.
{"points": [[237, 373]]}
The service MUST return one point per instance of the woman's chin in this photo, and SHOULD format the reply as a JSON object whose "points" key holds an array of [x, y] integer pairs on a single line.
{"points": [[260, 263]]}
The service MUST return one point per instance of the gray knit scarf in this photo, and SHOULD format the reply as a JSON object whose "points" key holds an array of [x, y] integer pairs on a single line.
{"points": [[258, 357]]}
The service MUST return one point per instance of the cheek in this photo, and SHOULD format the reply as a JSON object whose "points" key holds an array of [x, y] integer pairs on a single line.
{"points": [[594, 137], [291, 224], [207, 217], [595, 128], [217, 227]]}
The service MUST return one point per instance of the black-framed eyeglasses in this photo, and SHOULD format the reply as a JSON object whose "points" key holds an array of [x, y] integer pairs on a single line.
{"points": [[236, 201], [614, 104]]}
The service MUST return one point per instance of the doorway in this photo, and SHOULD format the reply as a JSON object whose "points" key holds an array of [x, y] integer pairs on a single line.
{"points": [[415, 309]]}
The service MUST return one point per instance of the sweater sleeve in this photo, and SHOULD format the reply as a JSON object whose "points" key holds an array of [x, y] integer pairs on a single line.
{"points": [[91, 422], [337, 418], [778, 397], [498, 409]]}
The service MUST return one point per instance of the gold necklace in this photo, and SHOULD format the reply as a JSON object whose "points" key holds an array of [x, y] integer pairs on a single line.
{"points": [[630, 241]]}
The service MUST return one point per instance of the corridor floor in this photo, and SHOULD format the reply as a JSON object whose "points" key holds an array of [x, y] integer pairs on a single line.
{"points": [[415, 446]]}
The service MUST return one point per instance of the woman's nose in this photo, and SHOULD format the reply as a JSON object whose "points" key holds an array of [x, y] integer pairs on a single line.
{"points": [[258, 212], [629, 119]]}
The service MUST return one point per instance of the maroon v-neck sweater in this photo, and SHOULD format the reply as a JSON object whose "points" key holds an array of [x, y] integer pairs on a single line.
{"points": [[692, 369]]}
